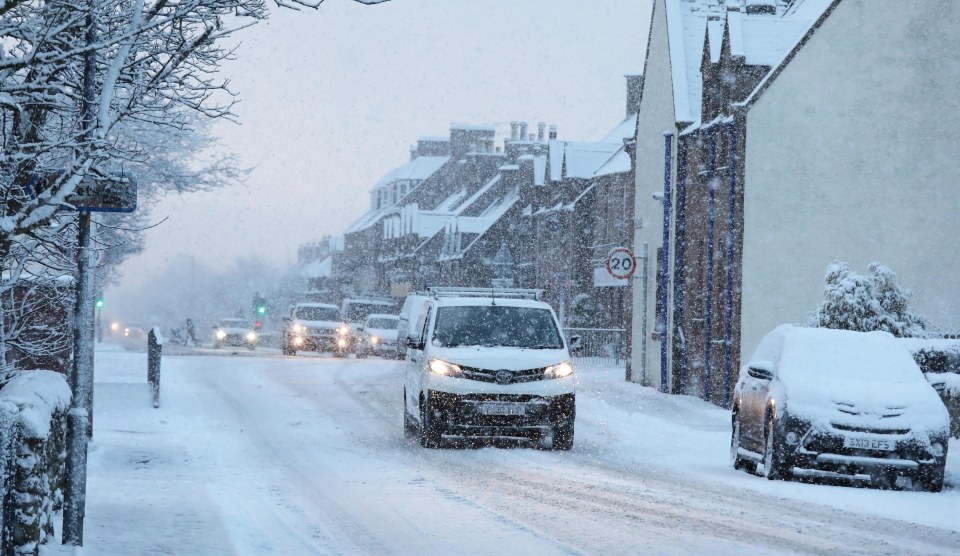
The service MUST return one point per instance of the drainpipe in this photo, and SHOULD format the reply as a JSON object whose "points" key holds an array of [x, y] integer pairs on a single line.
{"points": [[710, 221], [664, 260], [728, 341], [643, 320], [681, 249]]}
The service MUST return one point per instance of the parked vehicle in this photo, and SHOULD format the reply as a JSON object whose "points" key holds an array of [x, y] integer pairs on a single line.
{"points": [[355, 310], [234, 332], [489, 363], [815, 402], [315, 327], [408, 319], [379, 336]]}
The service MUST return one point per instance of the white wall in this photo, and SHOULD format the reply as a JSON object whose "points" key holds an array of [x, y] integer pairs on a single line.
{"points": [[656, 116], [853, 154]]}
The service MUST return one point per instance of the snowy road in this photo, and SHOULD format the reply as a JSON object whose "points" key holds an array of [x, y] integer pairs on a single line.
{"points": [[280, 455]]}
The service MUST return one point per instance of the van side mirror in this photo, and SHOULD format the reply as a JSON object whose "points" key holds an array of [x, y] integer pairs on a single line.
{"points": [[761, 370], [575, 343], [413, 342]]}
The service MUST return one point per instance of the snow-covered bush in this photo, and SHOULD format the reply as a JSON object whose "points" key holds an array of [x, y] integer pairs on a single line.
{"points": [[33, 407], [862, 303]]}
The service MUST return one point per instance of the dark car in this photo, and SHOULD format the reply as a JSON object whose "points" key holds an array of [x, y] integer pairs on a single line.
{"points": [[835, 404]]}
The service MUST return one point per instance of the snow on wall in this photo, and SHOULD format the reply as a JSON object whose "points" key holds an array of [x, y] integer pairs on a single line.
{"points": [[36, 395], [850, 156]]}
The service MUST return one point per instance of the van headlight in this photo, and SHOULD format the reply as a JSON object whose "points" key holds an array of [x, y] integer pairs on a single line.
{"points": [[343, 330], [221, 334], [440, 367], [298, 329], [559, 370], [374, 340], [251, 337]]}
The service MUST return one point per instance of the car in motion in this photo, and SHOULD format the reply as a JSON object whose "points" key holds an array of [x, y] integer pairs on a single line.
{"points": [[836, 404], [379, 336], [314, 327], [355, 310], [489, 363], [235, 332]]}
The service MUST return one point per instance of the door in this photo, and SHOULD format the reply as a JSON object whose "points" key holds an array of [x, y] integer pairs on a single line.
{"points": [[416, 362]]}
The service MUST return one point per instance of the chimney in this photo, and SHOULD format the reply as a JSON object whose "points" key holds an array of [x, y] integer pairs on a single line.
{"points": [[413, 152], [541, 126], [523, 131], [634, 93], [514, 130], [553, 132]]}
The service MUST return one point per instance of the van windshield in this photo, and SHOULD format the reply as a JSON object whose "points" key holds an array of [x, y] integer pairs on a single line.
{"points": [[357, 312], [496, 326], [318, 313]]}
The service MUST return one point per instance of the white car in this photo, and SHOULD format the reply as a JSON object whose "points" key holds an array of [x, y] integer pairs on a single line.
{"points": [[315, 327], [489, 363], [378, 336], [816, 402], [235, 332]]}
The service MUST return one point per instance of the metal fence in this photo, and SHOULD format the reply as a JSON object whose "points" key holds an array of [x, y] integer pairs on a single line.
{"points": [[602, 347]]}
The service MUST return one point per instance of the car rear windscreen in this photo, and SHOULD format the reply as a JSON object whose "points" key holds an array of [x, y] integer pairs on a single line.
{"points": [[496, 326]]}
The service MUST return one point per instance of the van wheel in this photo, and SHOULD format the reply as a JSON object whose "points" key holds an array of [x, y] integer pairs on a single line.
{"points": [[563, 436], [430, 434]]}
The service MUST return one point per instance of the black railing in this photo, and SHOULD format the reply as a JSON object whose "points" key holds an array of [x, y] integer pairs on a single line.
{"points": [[605, 347]]}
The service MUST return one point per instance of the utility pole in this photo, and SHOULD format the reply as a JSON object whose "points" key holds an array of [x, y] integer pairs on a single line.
{"points": [[81, 370]]}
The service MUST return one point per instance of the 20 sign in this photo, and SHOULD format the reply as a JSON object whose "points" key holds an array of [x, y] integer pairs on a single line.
{"points": [[621, 263]]}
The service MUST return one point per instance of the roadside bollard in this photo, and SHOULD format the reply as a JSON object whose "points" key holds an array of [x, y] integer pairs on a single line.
{"points": [[154, 347]]}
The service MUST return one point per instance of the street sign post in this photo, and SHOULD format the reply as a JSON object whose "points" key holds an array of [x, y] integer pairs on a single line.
{"points": [[621, 264]]}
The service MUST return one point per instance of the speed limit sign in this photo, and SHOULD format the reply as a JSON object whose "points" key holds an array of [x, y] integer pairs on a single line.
{"points": [[621, 263]]}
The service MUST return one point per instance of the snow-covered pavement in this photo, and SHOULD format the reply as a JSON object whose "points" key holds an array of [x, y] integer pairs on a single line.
{"points": [[255, 454]]}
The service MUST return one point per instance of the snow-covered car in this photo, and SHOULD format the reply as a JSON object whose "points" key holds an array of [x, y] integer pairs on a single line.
{"points": [[235, 332], [378, 336], [816, 402], [489, 363], [314, 327], [408, 319]]}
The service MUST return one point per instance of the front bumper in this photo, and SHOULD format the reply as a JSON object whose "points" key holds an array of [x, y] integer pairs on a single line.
{"points": [[470, 414], [821, 452]]}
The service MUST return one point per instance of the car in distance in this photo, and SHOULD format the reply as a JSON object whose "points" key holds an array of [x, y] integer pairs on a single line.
{"points": [[836, 404], [355, 310], [489, 363], [379, 336], [234, 332], [408, 319], [314, 327]]}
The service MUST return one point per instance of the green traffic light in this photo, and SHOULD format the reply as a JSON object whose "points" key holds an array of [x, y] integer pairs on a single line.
{"points": [[261, 309], [99, 302]]}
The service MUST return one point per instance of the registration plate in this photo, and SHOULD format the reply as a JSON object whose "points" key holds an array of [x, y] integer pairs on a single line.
{"points": [[502, 409], [863, 443]]}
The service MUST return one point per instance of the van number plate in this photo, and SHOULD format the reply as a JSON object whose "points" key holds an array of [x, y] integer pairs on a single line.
{"points": [[863, 443], [502, 409]]}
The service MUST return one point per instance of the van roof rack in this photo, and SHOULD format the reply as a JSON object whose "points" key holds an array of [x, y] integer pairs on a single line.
{"points": [[503, 293]]}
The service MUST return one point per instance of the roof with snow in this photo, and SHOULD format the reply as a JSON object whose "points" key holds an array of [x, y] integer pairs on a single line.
{"points": [[418, 169], [572, 159], [762, 39], [316, 269]]}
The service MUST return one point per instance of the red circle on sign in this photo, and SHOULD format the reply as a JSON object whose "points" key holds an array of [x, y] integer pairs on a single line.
{"points": [[621, 263]]}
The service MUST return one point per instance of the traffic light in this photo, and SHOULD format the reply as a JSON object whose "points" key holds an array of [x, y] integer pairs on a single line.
{"points": [[99, 301], [261, 309]]}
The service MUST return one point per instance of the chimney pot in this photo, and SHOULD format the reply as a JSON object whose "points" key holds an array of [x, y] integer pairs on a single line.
{"points": [[523, 131], [553, 132], [540, 131]]}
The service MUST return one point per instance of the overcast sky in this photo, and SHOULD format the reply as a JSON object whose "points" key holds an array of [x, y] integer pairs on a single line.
{"points": [[333, 99]]}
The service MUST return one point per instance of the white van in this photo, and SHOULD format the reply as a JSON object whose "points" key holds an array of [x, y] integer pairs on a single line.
{"points": [[489, 363]]}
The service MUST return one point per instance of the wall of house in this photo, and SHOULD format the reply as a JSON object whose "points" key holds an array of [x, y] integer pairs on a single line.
{"points": [[852, 155], [656, 116]]}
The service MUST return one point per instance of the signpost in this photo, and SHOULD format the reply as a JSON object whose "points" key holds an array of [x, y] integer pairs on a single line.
{"points": [[621, 264]]}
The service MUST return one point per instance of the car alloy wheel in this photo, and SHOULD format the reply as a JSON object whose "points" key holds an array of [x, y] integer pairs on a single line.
{"points": [[773, 466]]}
